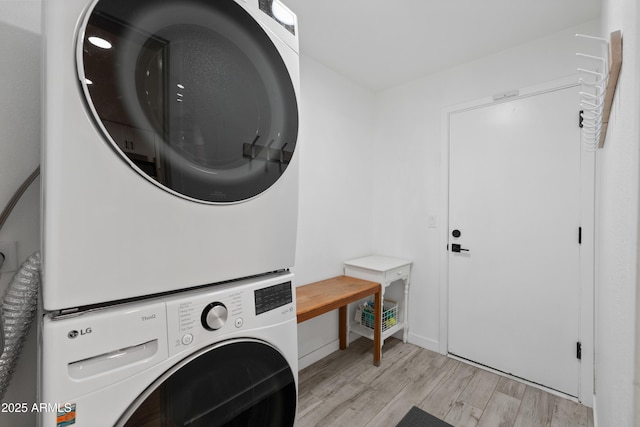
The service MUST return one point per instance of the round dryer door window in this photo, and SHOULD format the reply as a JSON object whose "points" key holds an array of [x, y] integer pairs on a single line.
{"points": [[194, 95], [241, 383]]}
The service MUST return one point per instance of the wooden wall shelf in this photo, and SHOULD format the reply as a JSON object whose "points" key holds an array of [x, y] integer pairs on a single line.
{"points": [[615, 59]]}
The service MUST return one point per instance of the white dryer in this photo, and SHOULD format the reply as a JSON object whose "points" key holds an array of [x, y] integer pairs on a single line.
{"points": [[218, 356], [169, 151]]}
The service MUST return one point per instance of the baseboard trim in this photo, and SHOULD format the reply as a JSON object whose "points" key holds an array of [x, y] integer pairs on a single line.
{"points": [[322, 352], [318, 354], [423, 342]]}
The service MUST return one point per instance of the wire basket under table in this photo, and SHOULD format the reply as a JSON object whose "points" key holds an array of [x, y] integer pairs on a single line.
{"points": [[366, 314]]}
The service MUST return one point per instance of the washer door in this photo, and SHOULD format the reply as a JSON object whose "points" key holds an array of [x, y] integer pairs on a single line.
{"points": [[239, 383], [194, 94]]}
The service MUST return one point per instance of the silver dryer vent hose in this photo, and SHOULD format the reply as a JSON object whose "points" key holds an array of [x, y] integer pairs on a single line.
{"points": [[19, 306]]}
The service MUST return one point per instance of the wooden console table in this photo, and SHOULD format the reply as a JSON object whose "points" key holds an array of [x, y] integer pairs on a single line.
{"points": [[321, 297]]}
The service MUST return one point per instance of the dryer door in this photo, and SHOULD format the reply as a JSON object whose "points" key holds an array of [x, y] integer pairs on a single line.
{"points": [[239, 383], [195, 95]]}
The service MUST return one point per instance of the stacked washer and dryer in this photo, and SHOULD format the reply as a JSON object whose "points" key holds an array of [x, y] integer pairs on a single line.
{"points": [[170, 182]]}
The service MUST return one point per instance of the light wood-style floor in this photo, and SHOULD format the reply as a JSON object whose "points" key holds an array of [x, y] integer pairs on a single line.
{"points": [[346, 390]]}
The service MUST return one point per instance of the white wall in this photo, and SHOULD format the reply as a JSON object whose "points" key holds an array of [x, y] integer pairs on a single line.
{"points": [[407, 182], [335, 219], [617, 230], [19, 155]]}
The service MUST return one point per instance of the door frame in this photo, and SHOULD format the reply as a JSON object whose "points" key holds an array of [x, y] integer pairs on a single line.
{"points": [[587, 248]]}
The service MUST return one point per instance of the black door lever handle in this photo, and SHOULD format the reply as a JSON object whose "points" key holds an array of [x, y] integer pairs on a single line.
{"points": [[455, 247]]}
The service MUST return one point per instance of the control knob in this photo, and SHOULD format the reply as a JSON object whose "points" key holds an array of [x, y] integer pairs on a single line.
{"points": [[214, 316]]}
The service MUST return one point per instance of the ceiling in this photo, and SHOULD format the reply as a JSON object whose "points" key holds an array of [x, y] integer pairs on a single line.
{"points": [[381, 44]]}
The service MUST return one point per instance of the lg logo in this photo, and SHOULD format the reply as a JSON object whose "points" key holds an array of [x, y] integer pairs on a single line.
{"points": [[75, 333]]}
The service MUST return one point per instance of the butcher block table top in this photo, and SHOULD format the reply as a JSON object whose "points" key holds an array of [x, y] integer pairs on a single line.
{"points": [[322, 297]]}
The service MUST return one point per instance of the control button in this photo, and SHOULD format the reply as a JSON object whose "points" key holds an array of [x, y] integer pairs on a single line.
{"points": [[187, 339], [214, 316], [239, 322]]}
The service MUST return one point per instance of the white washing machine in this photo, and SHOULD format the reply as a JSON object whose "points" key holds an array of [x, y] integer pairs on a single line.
{"points": [[218, 356], [169, 151]]}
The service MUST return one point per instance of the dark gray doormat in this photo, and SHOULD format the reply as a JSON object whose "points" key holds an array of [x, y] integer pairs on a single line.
{"points": [[416, 417]]}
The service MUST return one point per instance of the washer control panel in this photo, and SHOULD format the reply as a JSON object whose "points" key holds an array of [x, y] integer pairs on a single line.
{"points": [[207, 315], [191, 319]]}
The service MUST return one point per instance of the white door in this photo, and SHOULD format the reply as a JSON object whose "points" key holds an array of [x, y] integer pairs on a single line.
{"points": [[515, 203]]}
